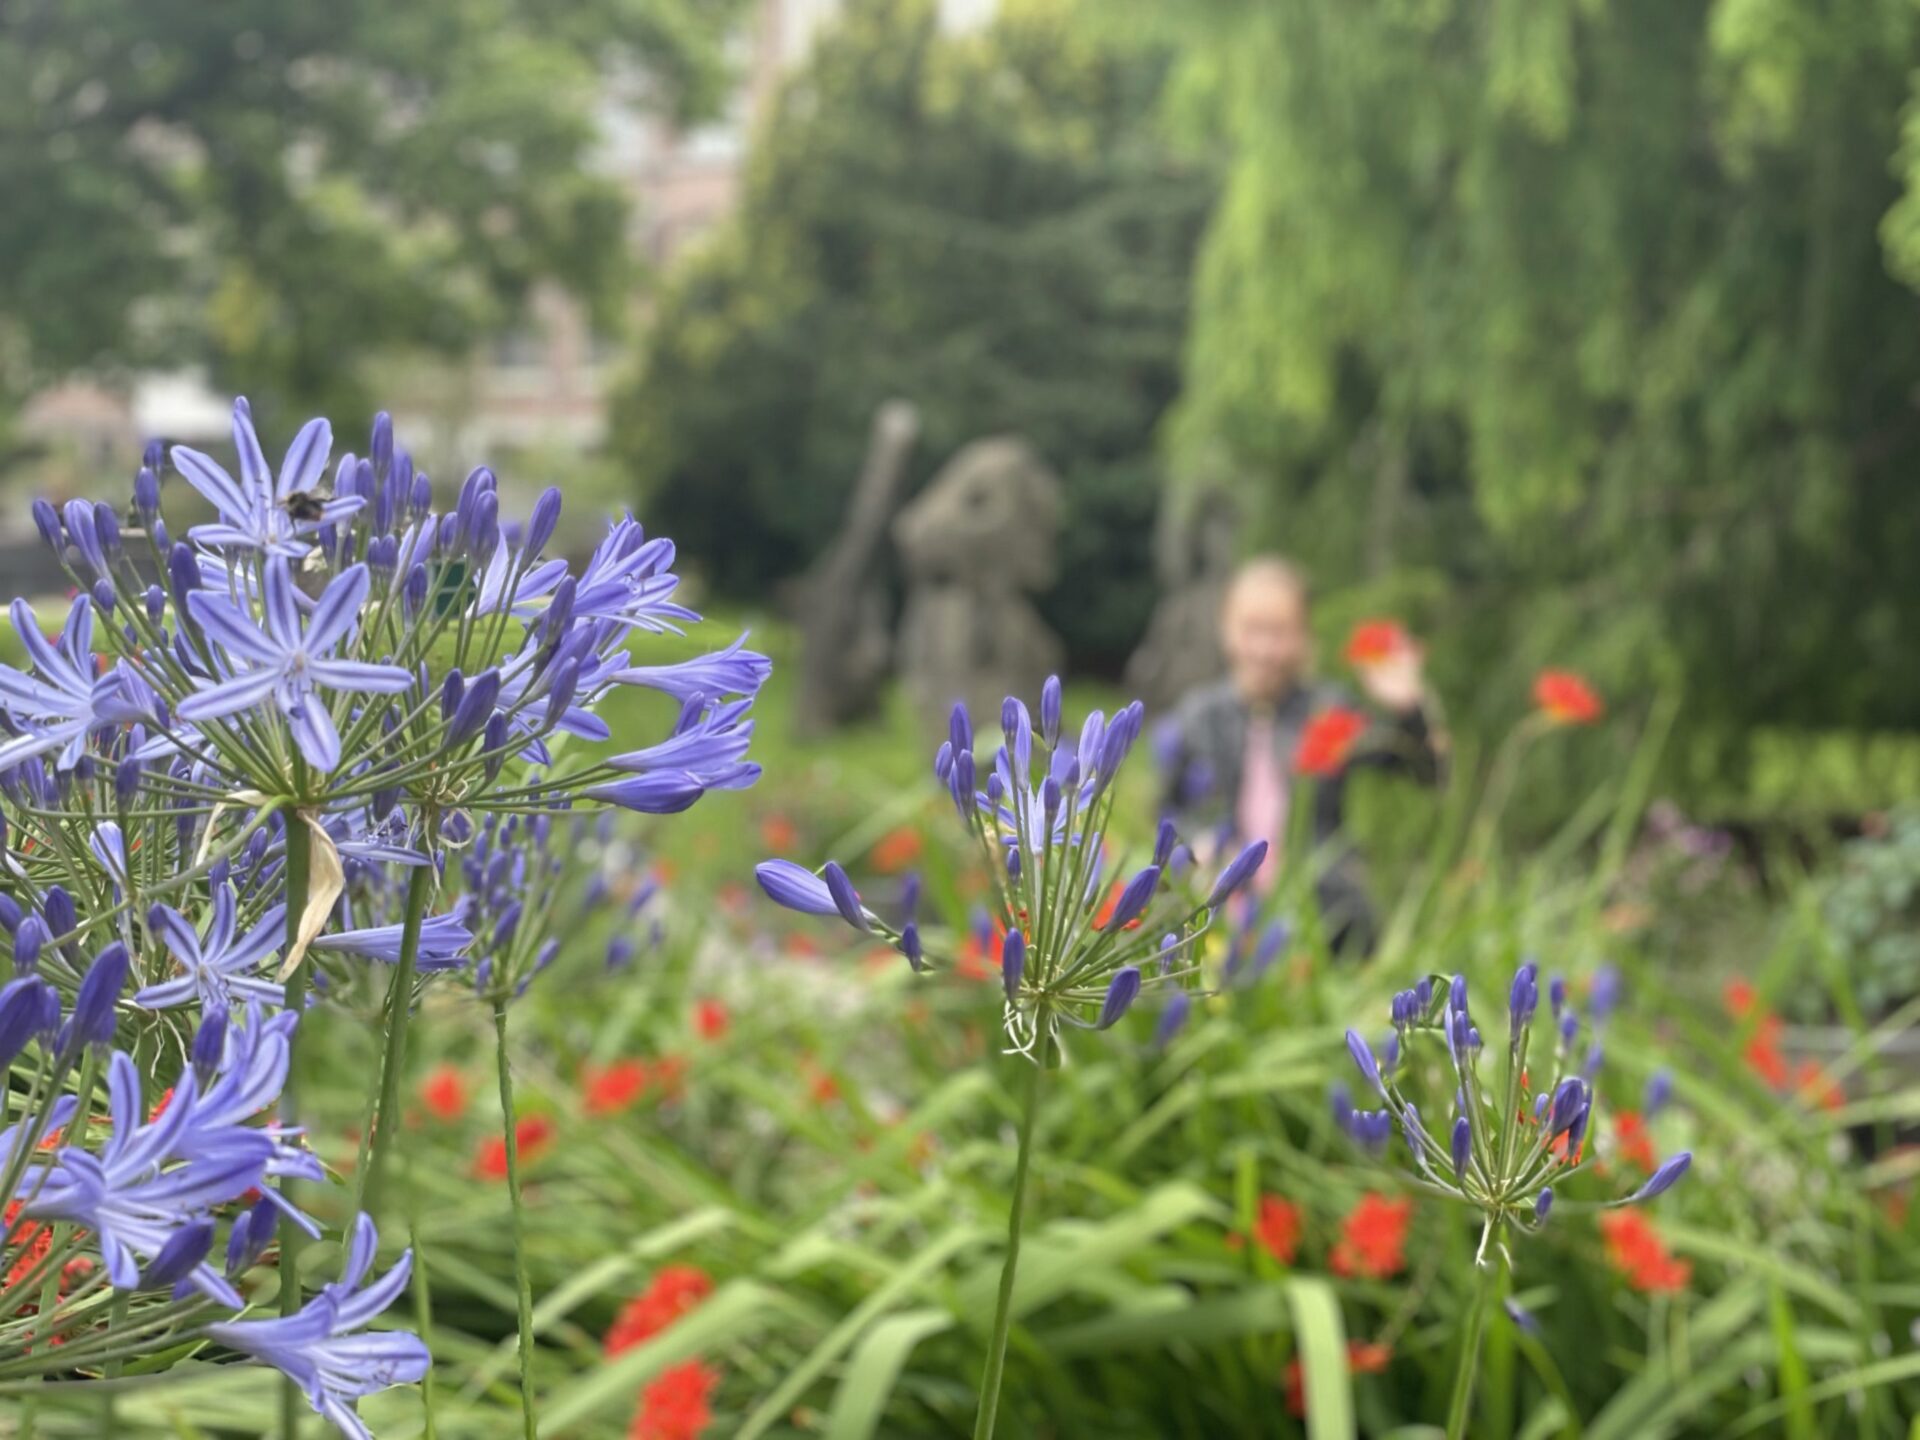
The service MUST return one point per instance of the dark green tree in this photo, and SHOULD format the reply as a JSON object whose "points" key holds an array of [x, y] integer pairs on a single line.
{"points": [[1593, 316], [984, 224], [286, 189]]}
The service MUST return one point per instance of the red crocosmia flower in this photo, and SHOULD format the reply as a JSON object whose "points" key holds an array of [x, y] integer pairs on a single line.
{"points": [[896, 850], [711, 1020], [531, 1133], [778, 834], [1364, 1357], [675, 1406], [33, 1240], [1373, 1239], [1763, 1053], [675, 1290], [1566, 699], [444, 1093], [1815, 1087], [610, 1090], [1374, 641], [1328, 740], [1738, 997], [1631, 1142], [1635, 1249], [1278, 1228]]}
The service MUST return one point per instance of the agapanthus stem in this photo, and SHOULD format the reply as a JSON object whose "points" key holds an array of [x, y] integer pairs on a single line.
{"points": [[1486, 1291], [1003, 1309], [384, 1122], [299, 856], [522, 1284]]}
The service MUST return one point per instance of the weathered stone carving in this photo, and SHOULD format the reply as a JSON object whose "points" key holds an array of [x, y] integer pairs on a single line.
{"points": [[1194, 557], [975, 545], [842, 601]]}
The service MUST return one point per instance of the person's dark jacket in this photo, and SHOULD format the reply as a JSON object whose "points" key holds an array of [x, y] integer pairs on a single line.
{"points": [[1203, 746]]}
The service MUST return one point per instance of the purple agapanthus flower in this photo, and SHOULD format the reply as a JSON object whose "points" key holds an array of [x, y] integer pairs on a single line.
{"points": [[443, 939], [707, 751], [218, 968], [65, 699], [288, 663], [251, 1077], [149, 1179], [732, 671], [325, 1347], [254, 513]]}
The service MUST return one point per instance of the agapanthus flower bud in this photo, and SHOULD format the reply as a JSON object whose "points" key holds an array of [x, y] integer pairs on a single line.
{"points": [[126, 780], [22, 1012], [960, 729], [1050, 799], [845, 899], [1050, 711], [1557, 994], [1423, 993], [1542, 1203], [795, 887], [1238, 873], [1173, 1018], [1013, 963], [57, 906], [1163, 841], [1134, 900], [380, 445], [252, 1233], [146, 493], [1569, 1098], [1461, 1146], [93, 1008], [46, 520], [420, 496], [1457, 995], [1340, 1101], [183, 575], [1604, 996], [1364, 1061], [182, 1253], [1663, 1179], [1569, 1025], [474, 708], [106, 528], [1522, 997], [1590, 1067], [541, 522], [1122, 991], [209, 1045], [1659, 1093], [495, 745], [30, 935], [910, 945]]}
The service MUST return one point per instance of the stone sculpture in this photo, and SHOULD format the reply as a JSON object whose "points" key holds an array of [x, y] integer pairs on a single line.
{"points": [[842, 602], [1195, 556], [975, 545]]}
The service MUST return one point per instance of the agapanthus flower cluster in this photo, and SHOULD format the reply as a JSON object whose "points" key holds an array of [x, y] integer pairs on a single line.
{"points": [[131, 1233], [513, 873], [348, 658], [1081, 936], [1510, 1133], [233, 771]]}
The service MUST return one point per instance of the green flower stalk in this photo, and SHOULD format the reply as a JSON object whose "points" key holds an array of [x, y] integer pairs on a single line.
{"points": [[1080, 945]]}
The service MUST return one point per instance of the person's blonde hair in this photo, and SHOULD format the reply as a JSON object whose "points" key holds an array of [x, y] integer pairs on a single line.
{"points": [[1269, 570]]}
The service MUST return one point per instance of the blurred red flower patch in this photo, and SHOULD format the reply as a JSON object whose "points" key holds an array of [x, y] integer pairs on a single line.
{"points": [[1328, 740], [1566, 699], [1374, 641], [676, 1406], [1635, 1249], [675, 1290], [532, 1134], [444, 1093], [1373, 1239], [610, 1089]]}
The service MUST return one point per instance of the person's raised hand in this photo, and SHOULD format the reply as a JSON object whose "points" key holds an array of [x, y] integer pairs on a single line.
{"points": [[1396, 681]]}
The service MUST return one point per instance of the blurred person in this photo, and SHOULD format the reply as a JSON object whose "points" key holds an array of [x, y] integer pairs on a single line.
{"points": [[1231, 749]]}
